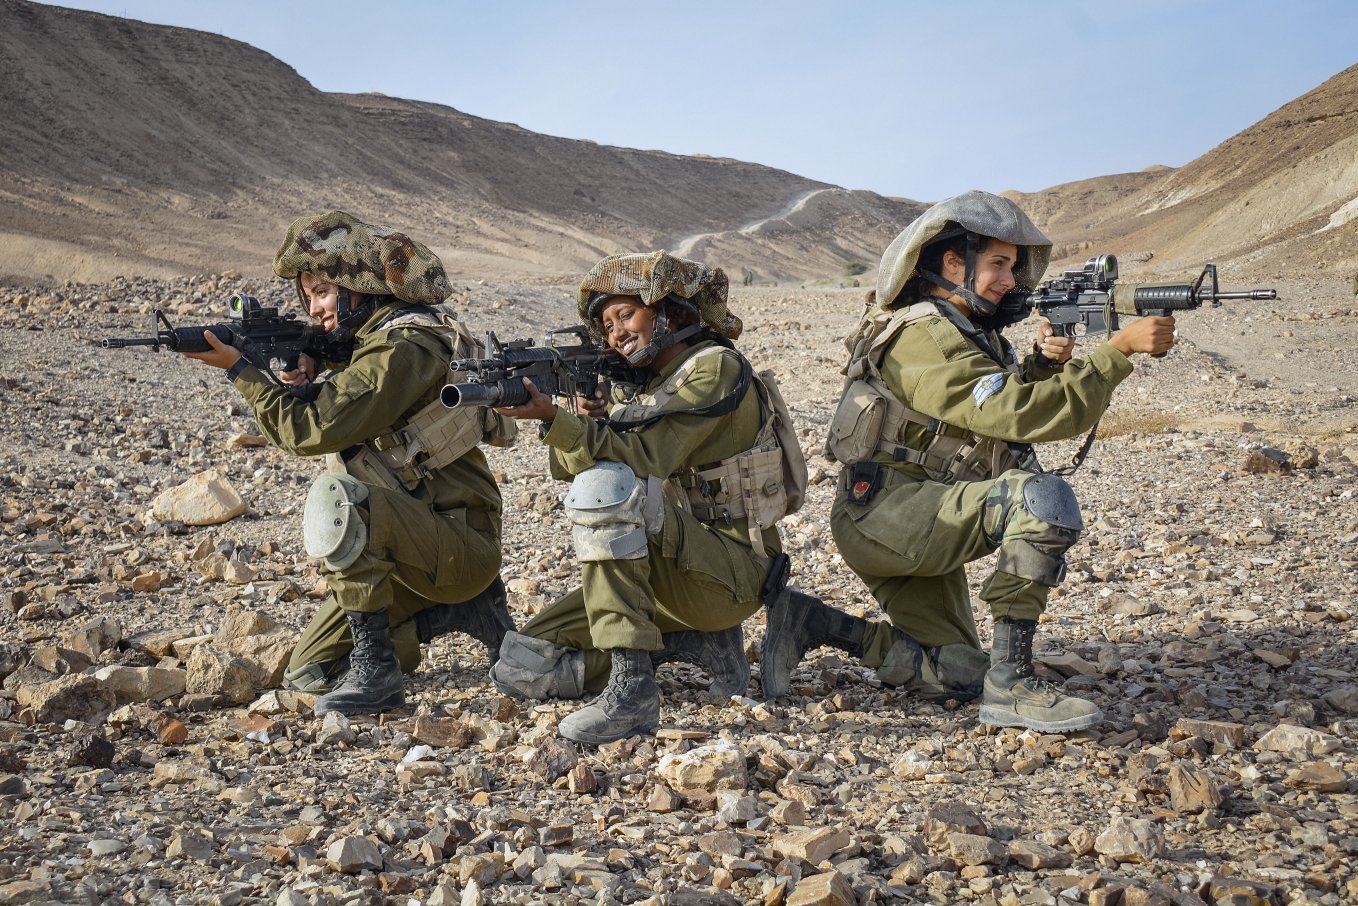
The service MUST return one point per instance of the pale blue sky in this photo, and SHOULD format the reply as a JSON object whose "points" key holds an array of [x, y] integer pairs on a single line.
{"points": [[905, 98]]}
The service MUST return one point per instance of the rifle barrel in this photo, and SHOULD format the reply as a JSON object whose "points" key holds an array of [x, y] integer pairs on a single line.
{"points": [[1251, 294], [114, 343]]}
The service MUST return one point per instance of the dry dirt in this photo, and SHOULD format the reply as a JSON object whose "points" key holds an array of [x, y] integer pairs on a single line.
{"points": [[1209, 611]]}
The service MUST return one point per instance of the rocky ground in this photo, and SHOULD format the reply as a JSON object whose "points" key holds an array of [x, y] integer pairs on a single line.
{"points": [[1209, 610]]}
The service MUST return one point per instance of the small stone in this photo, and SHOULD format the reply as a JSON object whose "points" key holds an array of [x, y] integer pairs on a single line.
{"points": [[950, 818], [1320, 776], [553, 759], [101, 848], [813, 845], [1131, 840], [442, 732], [828, 889], [78, 697], [699, 773], [736, 808], [351, 855], [581, 779], [1033, 855], [205, 499], [1192, 791], [190, 844], [335, 729], [976, 849], [664, 799], [172, 732], [1297, 742], [556, 834], [142, 684], [92, 750], [214, 671], [1218, 732]]}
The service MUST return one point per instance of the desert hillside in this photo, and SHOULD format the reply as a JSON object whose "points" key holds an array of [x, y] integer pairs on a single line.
{"points": [[142, 149], [1280, 195]]}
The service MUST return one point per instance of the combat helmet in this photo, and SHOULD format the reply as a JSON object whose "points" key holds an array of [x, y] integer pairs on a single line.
{"points": [[656, 278], [362, 258], [977, 215]]}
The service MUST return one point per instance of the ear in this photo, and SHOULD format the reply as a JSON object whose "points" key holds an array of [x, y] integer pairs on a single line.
{"points": [[954, 267]]}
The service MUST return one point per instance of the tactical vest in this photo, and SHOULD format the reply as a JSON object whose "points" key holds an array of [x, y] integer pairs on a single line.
{"points": [[870, 419], [762, 484], [435, 435]]}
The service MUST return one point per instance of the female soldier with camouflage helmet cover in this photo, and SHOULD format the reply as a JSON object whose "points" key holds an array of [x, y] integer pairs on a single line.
{"points": [[672, 573], [933, 433], [407, 523]]}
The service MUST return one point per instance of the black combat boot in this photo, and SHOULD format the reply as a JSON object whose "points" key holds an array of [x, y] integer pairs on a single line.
{"points": [[373, 683], [721, 654], [629, 704], [484, 617], [1015, 697], [798, 623]]}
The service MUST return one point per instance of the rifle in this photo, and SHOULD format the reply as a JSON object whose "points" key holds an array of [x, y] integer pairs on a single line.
{"points": [[1092, 296], [556, 369], [262, 335]]}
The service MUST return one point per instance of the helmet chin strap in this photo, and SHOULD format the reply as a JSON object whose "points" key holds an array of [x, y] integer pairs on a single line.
{"points": [[663, 338], [348, 317], [980, 306]]}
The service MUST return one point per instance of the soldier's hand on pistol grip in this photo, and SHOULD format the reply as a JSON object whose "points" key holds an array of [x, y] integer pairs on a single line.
{"points": [[592, 406], [303, 374], [539, 405], [1149, 335], [220, 356], [1055, 349]]}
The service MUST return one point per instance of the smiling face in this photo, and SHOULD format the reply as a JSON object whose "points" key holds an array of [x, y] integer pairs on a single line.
{"points": [[628, 325], [994, 269], [322, 300]]}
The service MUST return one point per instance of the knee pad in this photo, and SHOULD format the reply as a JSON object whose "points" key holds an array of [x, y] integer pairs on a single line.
{"points": [[535, 668], [612, 512], [1051, 499], [332, 529]]}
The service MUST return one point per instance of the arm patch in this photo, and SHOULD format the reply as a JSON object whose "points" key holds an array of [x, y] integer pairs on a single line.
{"points": [[987, 387]]}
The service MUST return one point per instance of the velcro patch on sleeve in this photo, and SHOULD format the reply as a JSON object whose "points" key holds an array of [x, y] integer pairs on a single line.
{"points": [[987, 387]]}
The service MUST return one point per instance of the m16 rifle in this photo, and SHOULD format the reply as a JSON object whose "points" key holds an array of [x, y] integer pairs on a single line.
{"points": [[262, 335], [1092, 297], [567, 369]]}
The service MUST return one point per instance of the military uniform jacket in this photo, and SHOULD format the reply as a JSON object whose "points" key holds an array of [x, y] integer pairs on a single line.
{"points": [[675, 443], [935, 368], [392, 375]]}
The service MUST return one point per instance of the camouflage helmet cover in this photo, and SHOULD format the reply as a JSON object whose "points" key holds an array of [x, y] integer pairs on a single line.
{"points": [[362, 258], [652, 277], [980, 212]]}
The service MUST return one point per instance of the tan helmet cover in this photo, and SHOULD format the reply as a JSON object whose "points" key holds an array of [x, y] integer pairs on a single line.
{"points": [[980, 212], [653, 277], [362, 258]]}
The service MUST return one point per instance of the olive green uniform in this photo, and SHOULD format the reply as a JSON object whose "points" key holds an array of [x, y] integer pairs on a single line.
{"points": [[437, 543], [695, 575], [910, 542]]}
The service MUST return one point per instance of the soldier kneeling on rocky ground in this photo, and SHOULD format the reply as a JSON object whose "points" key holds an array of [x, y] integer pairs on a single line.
{"points": [[407, 521], [675, 497], [934, 433]]}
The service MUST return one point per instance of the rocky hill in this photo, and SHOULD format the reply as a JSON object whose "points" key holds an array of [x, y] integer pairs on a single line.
{"points": [[1283, 194], [142, 149]]}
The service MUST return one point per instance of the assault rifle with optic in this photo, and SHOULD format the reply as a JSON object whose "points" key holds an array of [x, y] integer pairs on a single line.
{"points": [[1092, 297], [262, 335], [556, 368]]}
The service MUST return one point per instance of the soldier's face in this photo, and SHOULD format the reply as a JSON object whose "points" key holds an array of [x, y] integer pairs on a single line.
{"points": [[628, 324], [994, 269], [322, 300]]}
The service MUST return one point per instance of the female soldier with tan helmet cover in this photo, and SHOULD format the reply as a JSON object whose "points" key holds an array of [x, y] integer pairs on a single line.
{"points": [[407, 523], [675, 496], [933, 432]]}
